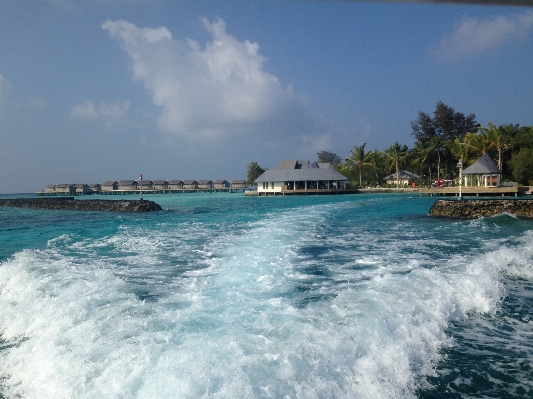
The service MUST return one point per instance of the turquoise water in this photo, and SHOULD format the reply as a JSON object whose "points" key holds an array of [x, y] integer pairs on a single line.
{"points": [[223, 296]]}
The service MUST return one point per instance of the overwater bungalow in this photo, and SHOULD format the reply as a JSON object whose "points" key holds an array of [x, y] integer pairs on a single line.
{"points": [[160, 185], [221, 184], [81, 189], [145, 184], [127, 185], [109, 185], [190, 184], [205, 184], [238, 184], [175, 184], [95, 187], [301, 177]]}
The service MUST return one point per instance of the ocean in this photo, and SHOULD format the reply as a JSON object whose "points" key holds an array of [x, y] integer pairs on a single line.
{"points": [[225, 296]]}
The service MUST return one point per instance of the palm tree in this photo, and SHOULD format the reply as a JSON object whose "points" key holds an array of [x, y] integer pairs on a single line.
{"points": [[437, 145], [501, 138], [422, 156], [361, 159], [478, 143], [396, 155]]}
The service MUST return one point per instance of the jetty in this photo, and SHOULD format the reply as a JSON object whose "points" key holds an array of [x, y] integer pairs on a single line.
{"points": [[85, 205], [477, 191], [475, 209]]}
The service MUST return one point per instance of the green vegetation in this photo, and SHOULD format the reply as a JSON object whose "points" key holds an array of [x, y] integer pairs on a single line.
{"points": [[441, 140], [254, 171]]}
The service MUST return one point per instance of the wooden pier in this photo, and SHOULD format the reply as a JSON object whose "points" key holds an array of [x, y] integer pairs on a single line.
{"points": [[502, 191]]}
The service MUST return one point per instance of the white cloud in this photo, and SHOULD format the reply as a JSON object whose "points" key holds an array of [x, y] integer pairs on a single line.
{"points": [[474, 36], [90, 110], [219, 90]]}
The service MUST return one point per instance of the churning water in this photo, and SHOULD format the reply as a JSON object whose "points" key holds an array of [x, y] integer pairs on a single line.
{"points": [[222, 296]]}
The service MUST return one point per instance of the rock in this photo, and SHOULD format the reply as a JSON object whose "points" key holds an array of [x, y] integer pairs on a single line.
{"points": [[474, 209], [85, 205]]}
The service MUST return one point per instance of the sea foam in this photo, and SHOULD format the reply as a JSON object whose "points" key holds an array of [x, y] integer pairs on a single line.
{"points": [[293, 308]]}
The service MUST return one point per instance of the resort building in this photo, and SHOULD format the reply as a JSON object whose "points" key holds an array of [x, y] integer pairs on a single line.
{"points": [[220, 184], [175, 184], [238, 184], [406, 178], [127, 185], [190, 184], [95, 187], [205, 184], [485, 170], [82, 189], [300, 177], [160, 185], [145, 184], [109, 185]]}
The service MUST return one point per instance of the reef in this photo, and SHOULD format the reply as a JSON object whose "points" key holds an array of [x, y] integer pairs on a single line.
{"points": [[82, 205], [474, 209]]}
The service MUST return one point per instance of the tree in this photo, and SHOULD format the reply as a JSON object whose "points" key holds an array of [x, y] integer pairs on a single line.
{"points": [[478, 143], [396, 155], [422, 156], [501, 138], [522, 166], [446, 123], [361, 159], [254, 171], [329, 157]]}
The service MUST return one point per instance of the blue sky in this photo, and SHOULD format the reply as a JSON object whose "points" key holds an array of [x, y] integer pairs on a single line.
{"points": [[105, 90]]}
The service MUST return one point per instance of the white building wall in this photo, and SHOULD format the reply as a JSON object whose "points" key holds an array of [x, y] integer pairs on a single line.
{"points": [[271, 190]]}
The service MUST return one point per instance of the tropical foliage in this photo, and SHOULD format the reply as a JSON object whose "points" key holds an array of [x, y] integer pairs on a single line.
{"points": [[441, 140]]}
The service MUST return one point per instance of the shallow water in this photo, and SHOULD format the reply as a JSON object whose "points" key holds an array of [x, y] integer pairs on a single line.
{"points": [[304, 297]]}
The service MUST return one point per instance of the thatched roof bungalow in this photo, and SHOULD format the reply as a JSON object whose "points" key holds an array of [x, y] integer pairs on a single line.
{"points": [[175, 184], [127, 185], [238, 184], [205, 184], [190, 184], [221, 184], [291, 176], [109, 185], [160, 185]]}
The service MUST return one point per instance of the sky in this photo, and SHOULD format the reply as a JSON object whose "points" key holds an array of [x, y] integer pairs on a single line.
{"points": [[106, 90]]}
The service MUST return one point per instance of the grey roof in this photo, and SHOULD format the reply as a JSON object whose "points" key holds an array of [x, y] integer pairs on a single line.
{"points": [[190, 182], [109, 183], [404, 174], [294, 170], [175, 182], [238, 182], [159, 182], [127, 182], [221, 182], [205, 182], [483, 166], [144, 182]]}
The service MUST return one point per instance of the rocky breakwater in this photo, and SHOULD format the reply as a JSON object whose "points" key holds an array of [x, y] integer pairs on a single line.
{"points": [[82, 205], [474, 209]]}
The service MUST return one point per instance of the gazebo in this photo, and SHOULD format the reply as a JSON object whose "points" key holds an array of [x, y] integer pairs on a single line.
{"points": [[486, 171]]}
